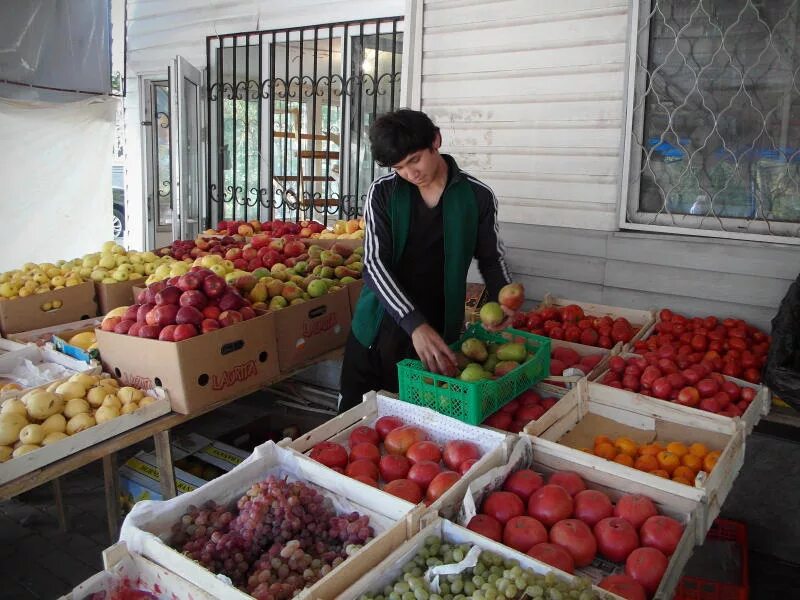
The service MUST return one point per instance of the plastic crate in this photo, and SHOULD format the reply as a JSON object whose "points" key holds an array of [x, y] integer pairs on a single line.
{"points": [[698, 588], [473, 401]]}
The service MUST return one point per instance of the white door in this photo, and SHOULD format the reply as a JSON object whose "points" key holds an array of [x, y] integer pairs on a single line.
{"points": [[187, 103]]}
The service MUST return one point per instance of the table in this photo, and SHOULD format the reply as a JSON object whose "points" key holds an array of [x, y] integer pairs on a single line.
{"points": [[106, 450]]}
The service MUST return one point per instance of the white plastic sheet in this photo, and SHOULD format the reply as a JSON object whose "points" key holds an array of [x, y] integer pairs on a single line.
{"points": [[55, 165]]}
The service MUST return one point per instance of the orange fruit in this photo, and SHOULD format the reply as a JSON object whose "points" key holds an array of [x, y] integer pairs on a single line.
{"points": [[684, 473], [626, 446], [646, 462], [668, 461], [682, 480], [660, 473], [711, 460], [698, 449], [695, 463], [649, 449], [678, 448], [624, 459], [605, 450], [601, 439]]}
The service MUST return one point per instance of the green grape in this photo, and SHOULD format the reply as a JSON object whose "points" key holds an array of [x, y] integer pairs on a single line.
{"points": [[420, 594], [424, 553], [574, 593], [444, 588], [407, 576], [555, 594], [432, 539], [493, 578], [478, 580], [469, 587], [395, 596], [457, 555], [534, 591], [520, 582], [511, 591], [491, 594], [407, 567], [446, 547], [586, 595], [478, 595], [417, 572], [409, 596], [387, 589], [500, 584], [479, 569], [435, 597], [447, 558], [497, 571], [401, 587]]}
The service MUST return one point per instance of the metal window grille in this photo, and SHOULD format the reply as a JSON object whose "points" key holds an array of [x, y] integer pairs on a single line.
{"points": [[715, 130], [288, 113]]}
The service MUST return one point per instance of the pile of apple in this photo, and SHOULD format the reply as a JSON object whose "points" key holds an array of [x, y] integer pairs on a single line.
{"points": [[478, 361], [663, 375], [34, 278], [528, 406], [181, 308], [410, 465], [566, 525], [202, 246], [352, 229], [569, 323], [273, 228], [729, 346], [562, 358]]}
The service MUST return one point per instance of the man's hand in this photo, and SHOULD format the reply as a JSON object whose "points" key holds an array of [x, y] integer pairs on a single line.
{"points": [[505, 323], [432, 351]]}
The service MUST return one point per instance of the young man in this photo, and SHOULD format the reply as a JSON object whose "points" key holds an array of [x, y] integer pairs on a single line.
{"points": [[424, 224]]}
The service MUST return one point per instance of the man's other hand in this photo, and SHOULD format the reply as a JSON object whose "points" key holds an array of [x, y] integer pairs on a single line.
{"points": [[433, 352]]}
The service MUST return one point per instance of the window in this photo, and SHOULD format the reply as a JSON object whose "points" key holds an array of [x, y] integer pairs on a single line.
{"points": [[715, 129]]}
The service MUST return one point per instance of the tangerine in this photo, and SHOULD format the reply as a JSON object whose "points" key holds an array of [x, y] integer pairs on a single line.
{"points": [[684, 472], [649, 450], [605, 450], [698, 449], [626, 446], [682, 480], [646, 462], [710, 461], [660, 473], [601, 439], [668, 461], [678, 448], [695, 463], [624, 459]]}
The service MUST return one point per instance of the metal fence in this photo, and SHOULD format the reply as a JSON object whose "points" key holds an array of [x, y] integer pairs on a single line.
{"points": [[288, 114], [715, 140]]}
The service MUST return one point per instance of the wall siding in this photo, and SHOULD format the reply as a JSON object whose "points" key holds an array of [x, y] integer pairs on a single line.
{"points": [[529, 97]]}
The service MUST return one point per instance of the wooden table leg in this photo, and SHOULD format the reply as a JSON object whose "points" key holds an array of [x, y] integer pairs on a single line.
{"points": [[112, 494], [61, 513], [165, 467]]}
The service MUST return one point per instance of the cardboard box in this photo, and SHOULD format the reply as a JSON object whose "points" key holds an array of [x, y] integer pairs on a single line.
{"points": [[43, 336], [61, 343], [210, 451], [140, 479], [201, 371], [25, 314], [354, 290], [112, 295], [312, 328]]}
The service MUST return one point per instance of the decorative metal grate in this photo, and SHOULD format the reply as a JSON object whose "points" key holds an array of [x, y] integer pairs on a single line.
{"points": [[715, 138], [288, 113]]}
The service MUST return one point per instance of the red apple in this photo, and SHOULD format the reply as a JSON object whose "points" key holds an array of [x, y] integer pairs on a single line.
{"points": [[163, 315], [124, 326], [141, 314], [184, 331], [523, 532], [661, 532], [424, 451], [635, 508], [576, 538], [386, 424], [592, 506], [523, 483], [169, 295], [362, 433], [329, 454], [550, 504], [569, 480], [647, 566], [194, 298], [364, 450], [394, 466], [209, 325], [167, 334], [554, 555], [214, 286], [405, 489], [503, 506], [363, 467], [440, 484], [457, 451], [624, 586], [486, 526], [616, 538], [149, 331], [467, 465], [190, 281], [230, 317], [423, 473], [399, 440]]}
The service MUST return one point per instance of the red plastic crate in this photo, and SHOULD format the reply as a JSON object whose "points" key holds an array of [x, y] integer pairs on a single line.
{"points": [[697, 588]]}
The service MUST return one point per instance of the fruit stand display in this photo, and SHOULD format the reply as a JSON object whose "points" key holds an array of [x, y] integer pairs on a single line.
{"points": [[601, 420], [695, 387], [277, 523], [416, 442], [128, 575], [466, 561], [584, 520]]}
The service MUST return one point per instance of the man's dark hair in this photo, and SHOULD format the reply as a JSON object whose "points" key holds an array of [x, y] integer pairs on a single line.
{"points": [[395, 135]]}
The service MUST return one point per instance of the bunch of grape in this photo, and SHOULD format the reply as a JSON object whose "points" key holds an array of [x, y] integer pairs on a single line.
{"points": [[280, 538], [493, 578]]}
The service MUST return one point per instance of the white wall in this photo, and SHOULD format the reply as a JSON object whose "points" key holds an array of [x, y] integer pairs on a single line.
{"points": [[158, 31]]}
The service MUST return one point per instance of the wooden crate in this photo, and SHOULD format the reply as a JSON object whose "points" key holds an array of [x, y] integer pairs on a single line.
{"points": [[22, 465], [759, 407], [124, 570], [641, 319], [570, 380], [494, 444], [547, 419], [392, 566], [394, 520], [546, 458], [599, 409]]}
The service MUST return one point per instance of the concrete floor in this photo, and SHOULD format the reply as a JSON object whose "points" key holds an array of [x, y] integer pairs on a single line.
{"points": [[42, 563]]}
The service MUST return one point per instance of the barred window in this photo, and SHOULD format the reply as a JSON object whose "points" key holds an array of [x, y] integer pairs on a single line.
{"points": [[715, 130]]}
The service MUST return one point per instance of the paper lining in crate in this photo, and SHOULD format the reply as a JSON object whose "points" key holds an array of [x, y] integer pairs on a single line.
{"points": [[642, 320], [392, 566], [545, 459], [602, 410], [759, 407], [126, 573], [7, 346], [572, 375], [148, 527], [62, 366], [494, 445], [21, 465]]}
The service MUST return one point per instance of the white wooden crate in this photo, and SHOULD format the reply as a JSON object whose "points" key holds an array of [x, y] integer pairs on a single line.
{"points": [[546, 458], [20, 466], [759, 407], [147, 528], [641, 319], [494, 444], [625, 413], [570, 379], [125, 569], [392, 567]]}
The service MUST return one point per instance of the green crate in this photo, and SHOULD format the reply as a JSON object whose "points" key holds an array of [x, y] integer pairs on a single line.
{"points": [[471, 402]]}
